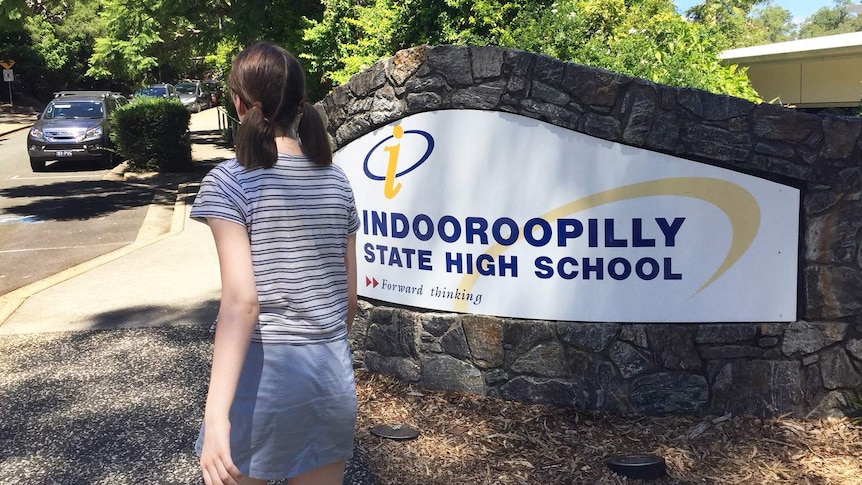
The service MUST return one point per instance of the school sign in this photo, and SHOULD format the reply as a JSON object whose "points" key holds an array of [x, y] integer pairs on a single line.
{"points": [[494, 213]]}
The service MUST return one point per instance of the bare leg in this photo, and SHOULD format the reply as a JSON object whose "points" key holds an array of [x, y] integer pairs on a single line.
{"points": [[332, 474]]}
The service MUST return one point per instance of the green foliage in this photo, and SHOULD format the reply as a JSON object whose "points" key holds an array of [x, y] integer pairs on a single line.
{"points": [[350, 37], [647, 40], [771, 24], [831, 21], [153, 135]]}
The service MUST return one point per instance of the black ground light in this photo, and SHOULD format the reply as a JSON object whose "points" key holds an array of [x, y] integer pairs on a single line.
{"points": [[642, 466]]}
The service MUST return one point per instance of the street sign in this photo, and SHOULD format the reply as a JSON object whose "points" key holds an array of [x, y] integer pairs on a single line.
{"points": [[8, 75], [7, 64]]}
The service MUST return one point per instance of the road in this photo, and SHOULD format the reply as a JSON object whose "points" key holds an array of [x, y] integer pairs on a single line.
{"points": [[53, 220]]}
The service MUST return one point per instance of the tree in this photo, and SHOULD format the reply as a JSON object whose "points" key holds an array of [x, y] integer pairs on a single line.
{"points": [[830, 21], [770, 24], [641, 39]]}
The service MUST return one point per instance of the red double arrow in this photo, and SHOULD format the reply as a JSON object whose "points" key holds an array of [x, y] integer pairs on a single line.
{"points": [[370, 281]]}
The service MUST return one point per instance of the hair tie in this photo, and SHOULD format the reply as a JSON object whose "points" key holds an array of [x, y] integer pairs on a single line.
{"points": [[259, 106]]}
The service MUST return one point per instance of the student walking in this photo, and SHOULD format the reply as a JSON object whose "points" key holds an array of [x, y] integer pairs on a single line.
{"points": [[282, 399]]}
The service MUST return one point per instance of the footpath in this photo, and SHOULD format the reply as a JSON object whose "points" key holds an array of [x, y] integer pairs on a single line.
{"points": [[104, 366]]}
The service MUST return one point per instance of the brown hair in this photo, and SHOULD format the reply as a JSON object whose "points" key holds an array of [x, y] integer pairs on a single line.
{"points": [[270, 84]]}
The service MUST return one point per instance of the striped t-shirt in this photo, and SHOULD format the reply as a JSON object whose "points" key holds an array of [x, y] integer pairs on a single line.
{"points": [[298, 216]]}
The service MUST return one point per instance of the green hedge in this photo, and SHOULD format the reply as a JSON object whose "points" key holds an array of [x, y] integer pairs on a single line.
{"points": [[153, 135]]}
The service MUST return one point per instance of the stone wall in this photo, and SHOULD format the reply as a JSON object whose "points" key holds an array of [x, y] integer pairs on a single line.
{"points": [[802, 367]]}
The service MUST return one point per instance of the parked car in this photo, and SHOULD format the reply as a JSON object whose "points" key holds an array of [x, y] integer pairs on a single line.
{"points": [[194, 95], [215, 90], [158, 91], [73, 126]]}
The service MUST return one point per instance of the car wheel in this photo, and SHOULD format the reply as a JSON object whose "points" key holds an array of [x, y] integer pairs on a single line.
{"points": [[109, 160], [197, 107], [37, 165]]}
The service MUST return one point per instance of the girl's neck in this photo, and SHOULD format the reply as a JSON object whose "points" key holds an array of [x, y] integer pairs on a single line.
{"points": [[288, 145]]}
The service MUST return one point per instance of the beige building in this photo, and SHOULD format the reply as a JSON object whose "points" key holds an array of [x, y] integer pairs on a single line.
{"points": [[822, 72]]}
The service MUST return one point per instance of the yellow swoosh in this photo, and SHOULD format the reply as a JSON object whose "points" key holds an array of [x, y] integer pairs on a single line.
{"points": [[737, 203]]}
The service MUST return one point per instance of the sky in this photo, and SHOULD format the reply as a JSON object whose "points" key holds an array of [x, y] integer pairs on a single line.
{"points": [[801, 9]]}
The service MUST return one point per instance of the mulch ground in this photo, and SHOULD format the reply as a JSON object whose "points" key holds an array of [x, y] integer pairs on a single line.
{"points": [[468, 439]]}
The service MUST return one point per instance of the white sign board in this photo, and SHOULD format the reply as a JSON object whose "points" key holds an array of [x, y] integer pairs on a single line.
{"points": [[8, 75], [498, 214]]}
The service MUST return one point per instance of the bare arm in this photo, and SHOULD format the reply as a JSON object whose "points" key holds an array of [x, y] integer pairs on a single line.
{"points": [[350, 263], [238, 314]]}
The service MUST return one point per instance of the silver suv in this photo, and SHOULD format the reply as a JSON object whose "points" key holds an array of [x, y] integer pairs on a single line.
{"points": [[73, 126]]}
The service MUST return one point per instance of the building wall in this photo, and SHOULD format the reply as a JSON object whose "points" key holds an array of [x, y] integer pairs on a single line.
{"points": [[803, 367], [809, 83]]}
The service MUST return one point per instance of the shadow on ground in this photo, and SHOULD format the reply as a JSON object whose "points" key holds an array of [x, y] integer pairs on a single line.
{"points": [[87, 199], [109, 406]]}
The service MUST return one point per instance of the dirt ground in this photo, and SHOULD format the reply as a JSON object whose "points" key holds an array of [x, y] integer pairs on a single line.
{"points": [[468, 439]]}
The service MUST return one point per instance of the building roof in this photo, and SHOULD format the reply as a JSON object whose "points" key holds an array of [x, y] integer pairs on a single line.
{"points": [[831, 45]]}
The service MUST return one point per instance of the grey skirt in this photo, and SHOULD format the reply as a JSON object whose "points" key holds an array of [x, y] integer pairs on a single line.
{"points": [[294, 410]]}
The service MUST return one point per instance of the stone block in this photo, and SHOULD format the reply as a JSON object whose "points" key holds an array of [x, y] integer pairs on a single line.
{"points": [[521, 335], [714, 107], [630, 360], [405, 63], [484, 96], [831, 237], [592, 337], [832, 292], [758, 387], [485, 338], [549, 70], [365, 82], [453, 62], [717, 143], [669, 393], [599, 87], [391, 332], [721, 352], [547, 94], [634, 333], [423, 102], [607, 127], [777, 123], [604, 389], [809, 337], [520, 62], [487, 62], [673, 346], [560, 392], [545, 360], [841, 135], [454, 343], [854, 348], [495, 376], [404, 369], [640, 120], [438, 323], [446, 372], [725, 333], [832, 405], [767, 341], [664, 133], [837, 370]]}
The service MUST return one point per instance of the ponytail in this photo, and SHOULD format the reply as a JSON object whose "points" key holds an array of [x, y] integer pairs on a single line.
{"points": [[312, 134], [255, 140], [256, 75]]}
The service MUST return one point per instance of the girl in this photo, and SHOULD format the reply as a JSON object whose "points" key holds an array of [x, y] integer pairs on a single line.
{"points": [[281, 400]]}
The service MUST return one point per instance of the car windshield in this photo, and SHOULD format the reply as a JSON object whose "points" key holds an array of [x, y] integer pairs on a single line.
{"points": [[74, 109], [154, 91], [186, 88]]}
